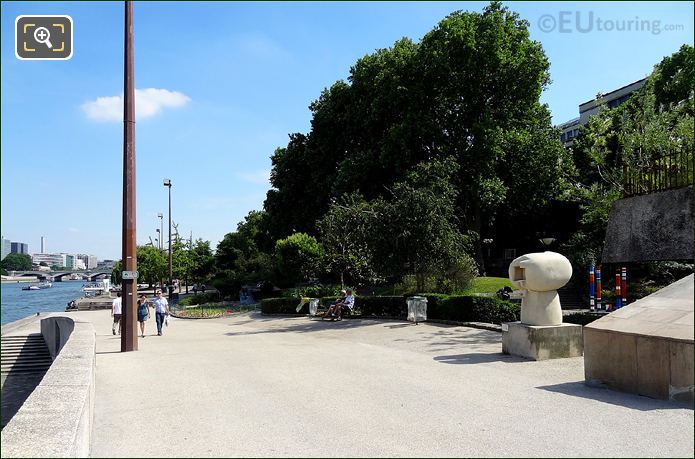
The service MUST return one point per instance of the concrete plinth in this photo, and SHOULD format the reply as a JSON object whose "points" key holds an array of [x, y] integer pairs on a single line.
{"points": [[542, 342]]}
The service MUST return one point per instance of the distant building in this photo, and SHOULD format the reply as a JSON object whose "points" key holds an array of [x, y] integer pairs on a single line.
{"points": [[90, 261], [19, 247], [51, 259], [570, 129], [106, 264], [6, 247]]}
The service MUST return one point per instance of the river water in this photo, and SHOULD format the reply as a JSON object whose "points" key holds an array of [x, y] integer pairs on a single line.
{"points": [[17, 303]]}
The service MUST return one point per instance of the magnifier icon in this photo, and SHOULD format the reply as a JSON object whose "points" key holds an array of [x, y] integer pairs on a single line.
{"points": [[42, 35]]}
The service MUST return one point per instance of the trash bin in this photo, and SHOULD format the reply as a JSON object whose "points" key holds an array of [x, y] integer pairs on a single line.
{"points": [[417, 309], [313, 306]]}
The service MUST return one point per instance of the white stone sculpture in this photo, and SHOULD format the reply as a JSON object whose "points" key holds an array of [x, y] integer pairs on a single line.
{"points": [[539, 275]]}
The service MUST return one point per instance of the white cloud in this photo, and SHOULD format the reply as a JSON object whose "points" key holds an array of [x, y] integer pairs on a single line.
{"points": [[148, 103], [261, 177]]}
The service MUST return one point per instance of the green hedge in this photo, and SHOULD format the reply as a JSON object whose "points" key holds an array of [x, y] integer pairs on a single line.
{"points": [[580, 318], [439, 307]]}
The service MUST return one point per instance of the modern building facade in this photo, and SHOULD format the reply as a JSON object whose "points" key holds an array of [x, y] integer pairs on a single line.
{"points": [[570, 129], [90, 261], [6, 247], [51, 259], [20, 247]]}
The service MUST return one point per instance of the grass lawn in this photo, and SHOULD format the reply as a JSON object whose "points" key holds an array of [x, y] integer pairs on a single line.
{"points": [[486, 285]]}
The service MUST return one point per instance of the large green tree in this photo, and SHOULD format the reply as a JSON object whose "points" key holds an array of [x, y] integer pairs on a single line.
{"points": [[16, 262], [298, 257], [469, 91]]}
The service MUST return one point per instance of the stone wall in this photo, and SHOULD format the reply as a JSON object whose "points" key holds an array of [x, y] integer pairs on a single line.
{"points": [[56, 419], [657, 226]]}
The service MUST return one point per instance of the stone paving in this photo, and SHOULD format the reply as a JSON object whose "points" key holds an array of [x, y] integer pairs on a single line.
{"points": [[251, 385]]}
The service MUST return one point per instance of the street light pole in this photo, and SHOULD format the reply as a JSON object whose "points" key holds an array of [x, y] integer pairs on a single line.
{"points": [[129, 337], [167, 183], [161, 231]]}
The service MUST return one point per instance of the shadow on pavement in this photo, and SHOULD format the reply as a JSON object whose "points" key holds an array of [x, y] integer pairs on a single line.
{"points": [[606, 395], [478, 358]]}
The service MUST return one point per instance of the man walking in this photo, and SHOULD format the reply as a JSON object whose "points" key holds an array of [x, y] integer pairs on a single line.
{"points": [[161, 310], [116, 306]]}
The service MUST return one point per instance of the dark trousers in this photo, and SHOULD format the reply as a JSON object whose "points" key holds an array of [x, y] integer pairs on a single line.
{"points": [[160, 321]]}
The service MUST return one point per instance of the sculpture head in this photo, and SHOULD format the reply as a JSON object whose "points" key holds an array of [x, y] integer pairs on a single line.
{"points": [[540, 272]]}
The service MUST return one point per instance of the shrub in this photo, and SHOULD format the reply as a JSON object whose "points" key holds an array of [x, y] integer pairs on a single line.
{"points": [[199, 299], [439, 307], [282, 306], [313, 291], [580, 318], [382, 306], [471, 309]]}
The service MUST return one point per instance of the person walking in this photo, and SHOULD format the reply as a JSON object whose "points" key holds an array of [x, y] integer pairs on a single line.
{"points": [[116, 309], [161, 310], [143, 313]]}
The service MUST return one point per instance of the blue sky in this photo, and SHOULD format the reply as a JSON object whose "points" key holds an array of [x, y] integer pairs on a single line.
{"points": [[233, 80]]}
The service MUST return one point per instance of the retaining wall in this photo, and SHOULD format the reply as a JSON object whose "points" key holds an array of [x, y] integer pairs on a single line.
{"points": [[56, 419]]}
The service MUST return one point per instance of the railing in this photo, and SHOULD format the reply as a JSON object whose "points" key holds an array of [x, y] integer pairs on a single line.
{"points": [[658, 173]]}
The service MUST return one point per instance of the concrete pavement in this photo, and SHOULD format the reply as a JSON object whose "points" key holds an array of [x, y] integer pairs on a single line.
{"points": [[259, 386]]}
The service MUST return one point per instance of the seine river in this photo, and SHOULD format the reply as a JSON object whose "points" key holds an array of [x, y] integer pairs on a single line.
{"points": [[18, 303]]}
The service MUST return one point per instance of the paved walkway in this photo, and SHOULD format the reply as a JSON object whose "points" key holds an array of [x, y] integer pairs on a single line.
{"points": [[257, 386]]}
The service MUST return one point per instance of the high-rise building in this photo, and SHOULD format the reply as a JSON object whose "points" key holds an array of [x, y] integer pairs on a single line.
{"points": [[43, 241], [5, 247], [19, 247]]}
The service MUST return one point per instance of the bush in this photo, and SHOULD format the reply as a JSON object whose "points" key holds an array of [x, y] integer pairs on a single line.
{"points": [[283, 306], [439, 307], [580, 318], [382, 306], [199, 299], [313, 291], [472, 309]]}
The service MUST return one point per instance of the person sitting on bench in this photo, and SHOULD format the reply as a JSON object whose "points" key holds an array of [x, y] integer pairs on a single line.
{"points": [[336, 311]]}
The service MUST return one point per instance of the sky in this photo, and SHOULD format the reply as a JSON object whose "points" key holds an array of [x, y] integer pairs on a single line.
{"points": [[220, 85]]}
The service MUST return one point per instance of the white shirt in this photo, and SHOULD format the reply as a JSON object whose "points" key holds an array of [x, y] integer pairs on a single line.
{"points": [[160, 304], [349, 301], [116, 305]]}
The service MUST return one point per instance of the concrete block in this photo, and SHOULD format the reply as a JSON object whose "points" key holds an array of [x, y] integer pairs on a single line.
{"points": [[542, 342], [653, 373], [681, 371]]}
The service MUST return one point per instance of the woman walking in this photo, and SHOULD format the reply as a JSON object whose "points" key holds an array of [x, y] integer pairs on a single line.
{"points": [[143, 313]]}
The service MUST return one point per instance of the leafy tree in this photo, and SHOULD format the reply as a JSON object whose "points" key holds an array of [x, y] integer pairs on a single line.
{"points": [[298, 257], [16, 262], [468, 91], [152, 264], [345, 235], [634, 136], [202, 260], [416, 230]]}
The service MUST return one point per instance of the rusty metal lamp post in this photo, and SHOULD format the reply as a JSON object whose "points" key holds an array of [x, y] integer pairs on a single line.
{"points": [[129, 336]]}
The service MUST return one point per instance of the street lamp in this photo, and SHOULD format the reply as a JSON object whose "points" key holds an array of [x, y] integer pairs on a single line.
{"points": [[547, 241], [161, 225], [167, 183]]}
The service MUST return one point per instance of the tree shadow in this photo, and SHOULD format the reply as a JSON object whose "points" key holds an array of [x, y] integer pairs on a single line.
{"points": [[472, 358], [299, 324], [604, 394]]}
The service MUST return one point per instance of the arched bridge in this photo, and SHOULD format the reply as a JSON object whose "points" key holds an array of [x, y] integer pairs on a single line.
{"points": [[58, 276]]}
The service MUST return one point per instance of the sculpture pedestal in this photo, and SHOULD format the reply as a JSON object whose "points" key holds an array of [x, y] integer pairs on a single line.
{"points": [[540, 342]]}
